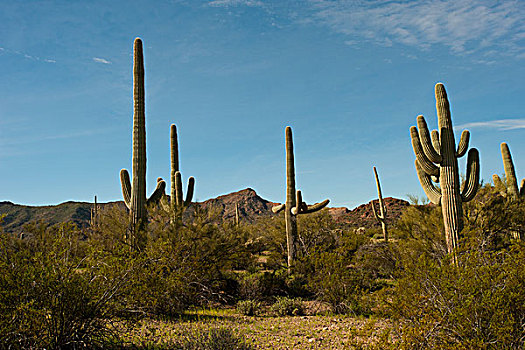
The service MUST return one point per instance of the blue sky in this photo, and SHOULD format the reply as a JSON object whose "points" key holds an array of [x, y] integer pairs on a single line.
{"points": [[350, 77]]}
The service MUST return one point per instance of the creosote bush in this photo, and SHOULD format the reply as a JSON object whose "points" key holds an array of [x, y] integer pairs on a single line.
{"points": [[54, 293], [249, 307], [285, 306]]}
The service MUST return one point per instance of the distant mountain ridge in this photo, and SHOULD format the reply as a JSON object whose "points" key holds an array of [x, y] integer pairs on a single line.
{"points": [[251, 207]]}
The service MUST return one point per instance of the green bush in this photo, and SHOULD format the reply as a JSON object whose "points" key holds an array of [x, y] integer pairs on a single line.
{"points": [[285, 306], [477, 304], [248, 307], [53, 295]]}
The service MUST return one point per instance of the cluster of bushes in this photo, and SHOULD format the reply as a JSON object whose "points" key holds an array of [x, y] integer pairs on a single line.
{"points": [[62, 287]]}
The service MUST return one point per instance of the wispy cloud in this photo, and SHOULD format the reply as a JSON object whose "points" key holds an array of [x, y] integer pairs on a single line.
{"points": [[228, 3], [101, 60], [464, 26], [26, 55], [501, 124]]}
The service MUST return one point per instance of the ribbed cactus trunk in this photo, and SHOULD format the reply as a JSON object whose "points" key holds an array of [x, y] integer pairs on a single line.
{"points": [[294, 204], [510, 173], [134, 192], [174, 144], [291, 220], [178, 204], [437, 156], [449, 175], [138, 194]]}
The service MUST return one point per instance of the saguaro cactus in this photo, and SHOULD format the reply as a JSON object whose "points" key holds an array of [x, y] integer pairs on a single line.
{"points": [[177, 203], [237, 221], [437, 160], [294, 203], [93, 222], [511, 189], [381, 216], [135, 193]]}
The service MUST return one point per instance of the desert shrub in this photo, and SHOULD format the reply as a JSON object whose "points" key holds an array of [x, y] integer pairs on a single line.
{"points": [[53, 295], [249, 307], [477, 304], [262, 285], [214, 339], [180, 265], [420, 231], [493, 219], [285, 306], [337, 282]]}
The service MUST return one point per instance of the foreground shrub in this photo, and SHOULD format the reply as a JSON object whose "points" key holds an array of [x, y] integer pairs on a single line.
{"points": [[249, 307], [477, 304], [53, 295], [285, 306]]}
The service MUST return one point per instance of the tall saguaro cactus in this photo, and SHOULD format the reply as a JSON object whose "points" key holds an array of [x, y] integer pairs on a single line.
{"points": [[177, 203], [381, 216], [294, 203], [511, 188], [134, 192], [437, 160]]}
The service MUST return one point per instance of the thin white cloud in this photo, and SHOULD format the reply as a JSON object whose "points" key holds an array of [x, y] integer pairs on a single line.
{"points": [[228, 3], [101, 60], [464, 26], [26, 55], [501, 124]]}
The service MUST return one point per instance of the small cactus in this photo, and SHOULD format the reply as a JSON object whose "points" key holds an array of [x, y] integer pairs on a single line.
{"points": [[511, 189], [135, 193], [93, 222], [381, 216], [294, 203], [437, 160], [237, 221], [177, 203]]}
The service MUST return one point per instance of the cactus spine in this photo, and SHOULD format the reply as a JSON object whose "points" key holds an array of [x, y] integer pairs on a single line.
{"points": [[177, 203], [294, 203], [381, 216], [437, 160], [135, 193], [511, 188]]}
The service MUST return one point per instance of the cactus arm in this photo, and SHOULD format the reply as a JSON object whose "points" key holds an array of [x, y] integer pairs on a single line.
{"points": [[463, 144], [434, 135], [426, 164], [178, 189], [433, 193], [278, 208], [472, 179], [510, 172], [189, 194], [315, 207], [522, 187], [426, 143], [300, 205], [126, 187], [158, 193], [302, 208], [374, 211]]}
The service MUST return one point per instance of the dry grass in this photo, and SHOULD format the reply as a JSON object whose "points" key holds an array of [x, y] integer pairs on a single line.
{"points": [[264, 332]]}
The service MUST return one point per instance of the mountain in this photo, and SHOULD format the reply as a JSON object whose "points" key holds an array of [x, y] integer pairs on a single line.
{"points": [[251, 207]]}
